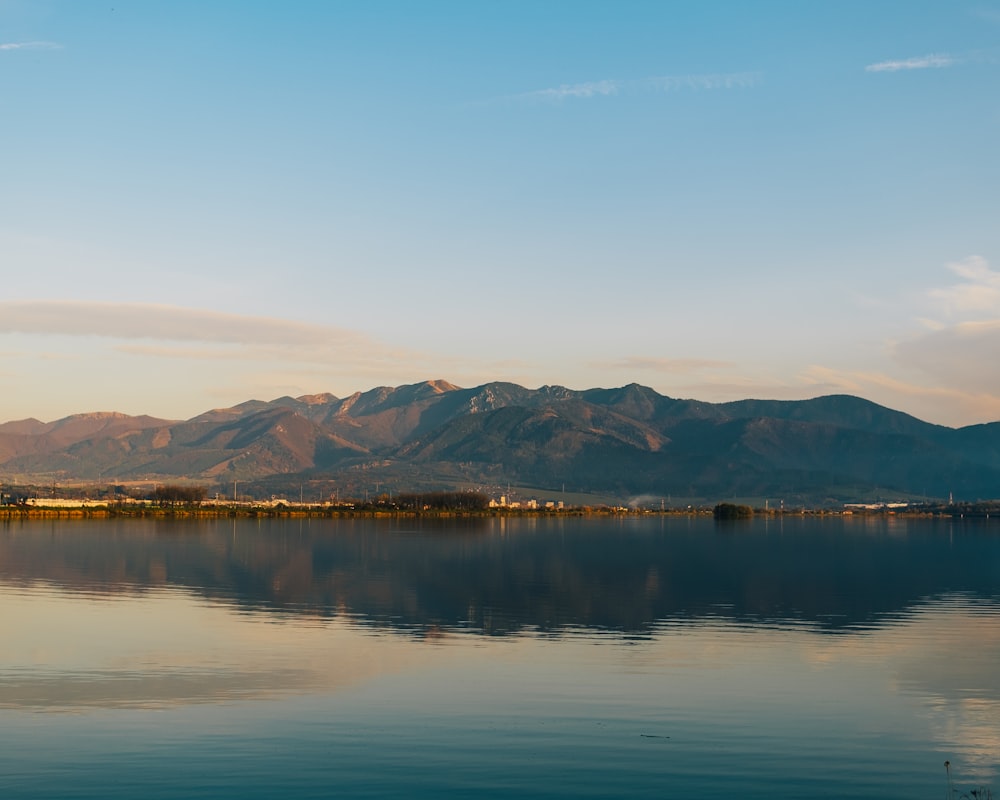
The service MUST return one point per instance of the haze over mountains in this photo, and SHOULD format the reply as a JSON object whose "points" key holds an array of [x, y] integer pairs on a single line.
{"points": [[622, 442]]}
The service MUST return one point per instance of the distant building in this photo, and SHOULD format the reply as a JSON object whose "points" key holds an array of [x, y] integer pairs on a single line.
{"points": [[875, 506], [62, 502]]}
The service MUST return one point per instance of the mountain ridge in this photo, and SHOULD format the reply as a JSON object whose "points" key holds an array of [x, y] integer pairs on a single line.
{"points": [[622, 441]]}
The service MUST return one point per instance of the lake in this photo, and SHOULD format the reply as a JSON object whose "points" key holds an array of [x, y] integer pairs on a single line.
{"points": [[534, 658]]}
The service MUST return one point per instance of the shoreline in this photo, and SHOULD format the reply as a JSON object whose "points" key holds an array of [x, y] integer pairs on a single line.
{"points": [[19, 512]]}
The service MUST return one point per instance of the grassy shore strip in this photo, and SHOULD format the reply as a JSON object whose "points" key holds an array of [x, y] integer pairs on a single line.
{"points": [[21, 512], [335, 512]]}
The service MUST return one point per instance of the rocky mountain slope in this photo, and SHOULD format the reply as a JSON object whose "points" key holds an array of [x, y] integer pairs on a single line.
{"points": [[622, 442]]}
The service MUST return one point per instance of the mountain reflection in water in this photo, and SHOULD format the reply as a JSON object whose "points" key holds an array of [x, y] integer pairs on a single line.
{"points": [[501, 576], [640, 657]]}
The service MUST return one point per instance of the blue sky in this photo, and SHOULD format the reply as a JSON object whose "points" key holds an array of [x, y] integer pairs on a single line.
{"points": [[202, 203]]}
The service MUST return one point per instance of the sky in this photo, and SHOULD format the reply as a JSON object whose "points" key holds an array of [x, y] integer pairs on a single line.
{"points": [[204, 203]]}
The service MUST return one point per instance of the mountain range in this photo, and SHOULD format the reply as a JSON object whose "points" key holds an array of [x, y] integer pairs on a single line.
{"points": [[621, 443]]}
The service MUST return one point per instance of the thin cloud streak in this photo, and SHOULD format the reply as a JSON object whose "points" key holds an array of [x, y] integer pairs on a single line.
{"points": [[576, 90], [29, 46], [932, 61], [988, 14], [670, 365], [151, 331], [664, 83], [365, 359], [959, 400], [741, 388], [734, 80], [155, 321], [965, 402]]}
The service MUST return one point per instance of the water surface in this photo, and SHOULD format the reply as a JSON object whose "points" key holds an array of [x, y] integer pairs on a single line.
{"points": [[651, 657]]}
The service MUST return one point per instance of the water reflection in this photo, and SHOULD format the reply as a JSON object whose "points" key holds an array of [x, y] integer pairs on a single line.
{"points": [[502, 576], [809, 659], [166, 648]]}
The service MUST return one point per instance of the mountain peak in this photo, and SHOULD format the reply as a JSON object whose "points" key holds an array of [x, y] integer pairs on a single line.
{"points": [[318, 399], [94, 416], [25, 426], [441, 386]]}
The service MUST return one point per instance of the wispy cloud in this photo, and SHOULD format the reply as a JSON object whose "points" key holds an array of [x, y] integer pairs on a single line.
{"points": [[960, 356], [956, 400], [663, 83], [941, 370], [977, 294], [160, 322], [932, 61], [575, 90], [695, 83], [153, 331], [740, 387], [947, 360], [669, 365], [29, 46], [944, 379], [987, 14]]}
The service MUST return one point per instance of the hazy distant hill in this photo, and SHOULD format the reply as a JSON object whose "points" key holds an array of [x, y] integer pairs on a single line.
{"points": [[623, 442]]}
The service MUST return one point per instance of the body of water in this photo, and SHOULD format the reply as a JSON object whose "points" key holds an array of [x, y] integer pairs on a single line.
{"points": [[639, 657]]}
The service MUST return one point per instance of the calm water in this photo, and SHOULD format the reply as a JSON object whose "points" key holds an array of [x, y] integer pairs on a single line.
{"points": [[498, 658]]}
